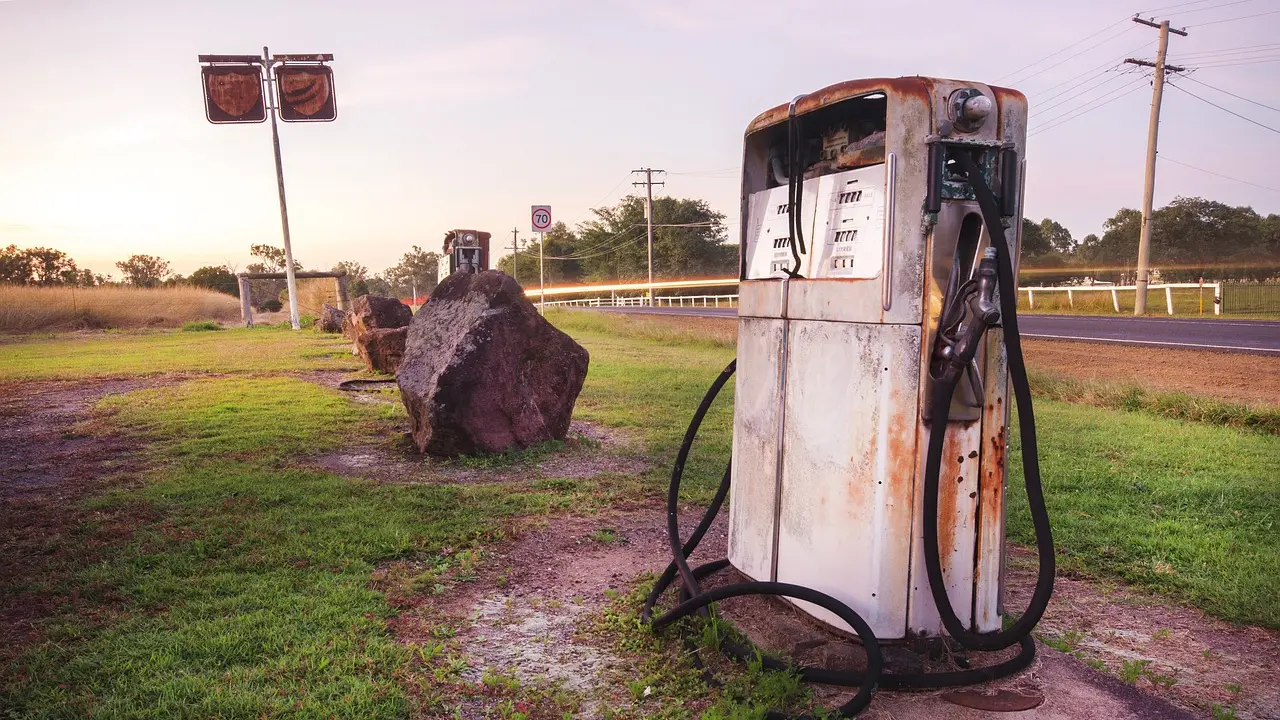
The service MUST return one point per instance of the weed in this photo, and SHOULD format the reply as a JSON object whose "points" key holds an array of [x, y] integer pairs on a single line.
{"points": [[607, 536], [1221, 712], [201, 326], [1131, 670], [1066, 642], [1162, 634], [1233, 688]]}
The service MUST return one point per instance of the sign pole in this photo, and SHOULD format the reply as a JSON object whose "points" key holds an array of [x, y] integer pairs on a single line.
{"points": [[542, 287], [291, 281]]}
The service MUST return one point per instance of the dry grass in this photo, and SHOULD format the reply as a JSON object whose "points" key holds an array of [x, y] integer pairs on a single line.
{"points": [[30, 309]]}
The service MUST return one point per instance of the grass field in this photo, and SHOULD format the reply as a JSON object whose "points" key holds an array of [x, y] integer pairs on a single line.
{"points": [[242, 587], [26, 308]]}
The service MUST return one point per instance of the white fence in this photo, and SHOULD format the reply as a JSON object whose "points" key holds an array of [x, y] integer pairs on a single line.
{"points": [[1115, 290], [641, 290], [659, 301]]}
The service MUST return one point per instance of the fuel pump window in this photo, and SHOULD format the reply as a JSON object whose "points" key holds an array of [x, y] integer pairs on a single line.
{"points": [[842, 151]]}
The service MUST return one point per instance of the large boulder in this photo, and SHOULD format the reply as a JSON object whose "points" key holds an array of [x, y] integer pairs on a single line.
{"points": [[483, 371], [331, 319], [374, 312], [382, 350]]}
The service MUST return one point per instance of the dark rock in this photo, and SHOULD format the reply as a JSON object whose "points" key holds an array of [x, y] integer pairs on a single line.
{"points": [[374, 312], [331, 319], [482, 371], [382, 350]]}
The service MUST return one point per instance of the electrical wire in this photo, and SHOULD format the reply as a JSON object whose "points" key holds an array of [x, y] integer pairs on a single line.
{"points": [[1231, 112], [1254, 61], [1242, 17], [1210, 172], [1227, 92], [1084, 91], [1215, 7], [1103, 66], [1069, 116], [1087, 38], [1072, 57], [1243, 49]]}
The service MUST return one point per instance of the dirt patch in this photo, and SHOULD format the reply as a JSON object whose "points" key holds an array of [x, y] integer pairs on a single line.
{"points": [[523, 612], [1240, 378], [49, 460], [1177, 652], [589, 451]]}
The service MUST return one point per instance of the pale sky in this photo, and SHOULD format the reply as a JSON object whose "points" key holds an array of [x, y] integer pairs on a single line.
{"points": [[463, 114]]}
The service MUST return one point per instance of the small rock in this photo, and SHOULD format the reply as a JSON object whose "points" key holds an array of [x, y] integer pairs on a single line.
{"points": [[382, 350], [331, 319], [373, 312]]}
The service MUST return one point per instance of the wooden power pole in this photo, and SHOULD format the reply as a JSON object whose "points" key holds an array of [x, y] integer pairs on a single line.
{"points": [[648, 213], [515, 256], [1153, 130]]}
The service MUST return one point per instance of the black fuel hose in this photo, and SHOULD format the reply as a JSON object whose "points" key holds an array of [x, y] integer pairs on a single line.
{"points": [[694, 600]]}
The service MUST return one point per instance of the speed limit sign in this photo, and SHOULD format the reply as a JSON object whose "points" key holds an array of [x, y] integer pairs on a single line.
{"points": [[541, 218]]}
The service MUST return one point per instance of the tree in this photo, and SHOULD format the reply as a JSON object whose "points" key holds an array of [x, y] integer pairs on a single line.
{"points": [[561, 242], [143, 270], [15, 266], [1058, 237], [272, 258], [689, 241], [357, 277], [1033, 240], [417, 270], [52, 267], [216, 277]]}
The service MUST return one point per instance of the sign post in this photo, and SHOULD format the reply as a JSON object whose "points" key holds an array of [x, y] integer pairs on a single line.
{"points": [[297, 92], [540, 215]]}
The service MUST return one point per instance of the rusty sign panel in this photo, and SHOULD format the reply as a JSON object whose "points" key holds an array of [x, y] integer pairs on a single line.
{"points": [[233, 94], [306, 93]]}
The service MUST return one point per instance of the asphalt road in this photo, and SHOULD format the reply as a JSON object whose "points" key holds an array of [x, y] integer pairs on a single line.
{"points": [[1244, 336]]}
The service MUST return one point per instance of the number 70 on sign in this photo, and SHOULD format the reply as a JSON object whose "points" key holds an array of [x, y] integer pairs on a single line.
{"points": [[541, 217]]}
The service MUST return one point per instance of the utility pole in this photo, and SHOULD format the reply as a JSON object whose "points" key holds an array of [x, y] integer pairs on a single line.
{"points": [[515, 256], [1153, 129], [648, 214], [290, 281]]}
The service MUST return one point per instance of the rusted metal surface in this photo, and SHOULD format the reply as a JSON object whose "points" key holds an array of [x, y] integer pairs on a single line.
{"points": [[757, 404], [999, 701], [902, 86], [991, 487], [233, 94], [846, 498], [306, 93]]}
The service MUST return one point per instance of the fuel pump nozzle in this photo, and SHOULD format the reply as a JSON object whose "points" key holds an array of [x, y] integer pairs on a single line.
{"points": [[959, 355]]}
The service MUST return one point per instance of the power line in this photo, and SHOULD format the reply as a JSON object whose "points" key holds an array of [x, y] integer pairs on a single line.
{"points": [[1225, 92], [1225, 177], [1253, 61], [1072, 115], [1215, 7], [1015, 73], [1232, 112], [1082, 92], [1072, 57], [1106, 65], [1242, 17], [1241, 50]]}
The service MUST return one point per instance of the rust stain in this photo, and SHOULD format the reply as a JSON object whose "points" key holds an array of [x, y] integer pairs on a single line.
{"points": [[917, 87]]}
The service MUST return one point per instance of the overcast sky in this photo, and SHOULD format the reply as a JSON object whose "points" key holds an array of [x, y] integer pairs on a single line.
{"points": [[463, 114]]}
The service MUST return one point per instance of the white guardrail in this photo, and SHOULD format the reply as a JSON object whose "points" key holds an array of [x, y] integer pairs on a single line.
{"points": [[621, 295], [1115, 290]]}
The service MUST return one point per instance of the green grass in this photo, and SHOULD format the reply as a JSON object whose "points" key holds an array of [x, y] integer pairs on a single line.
{"points": [[242, 588], [1174, 405], [135, 353], [201, 326], [1183, 509], [245, 591]]}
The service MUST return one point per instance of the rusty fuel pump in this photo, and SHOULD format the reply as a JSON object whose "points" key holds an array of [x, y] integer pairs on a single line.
{"points": [[877, 344], [466, 251]]}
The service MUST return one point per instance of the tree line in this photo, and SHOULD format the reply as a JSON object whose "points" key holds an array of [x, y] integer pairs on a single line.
{"points": [[1191, 238], [689, 240]]}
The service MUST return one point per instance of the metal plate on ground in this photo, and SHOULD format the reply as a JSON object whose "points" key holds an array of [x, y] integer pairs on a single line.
{"points": [[999, 701]]}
